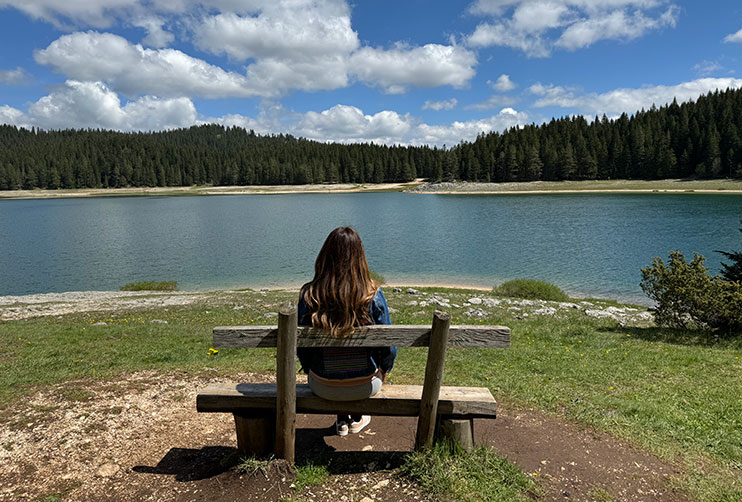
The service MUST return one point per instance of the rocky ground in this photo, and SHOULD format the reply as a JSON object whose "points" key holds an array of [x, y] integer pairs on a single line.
{"points": [[466, 305]]}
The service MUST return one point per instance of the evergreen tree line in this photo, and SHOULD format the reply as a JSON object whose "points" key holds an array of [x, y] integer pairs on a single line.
{"points": [[698, 139]]}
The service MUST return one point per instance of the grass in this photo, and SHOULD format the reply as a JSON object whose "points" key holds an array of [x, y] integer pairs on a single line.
{"points": [[150, 286], [671, 392], [531, 290], [310, 474], [447, 473]]}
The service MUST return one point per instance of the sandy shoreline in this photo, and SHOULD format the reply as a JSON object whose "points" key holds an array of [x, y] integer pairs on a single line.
{"points": [[419, 186]]}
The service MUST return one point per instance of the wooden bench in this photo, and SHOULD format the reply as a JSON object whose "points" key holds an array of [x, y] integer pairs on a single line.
{"points": [[265, 413]]}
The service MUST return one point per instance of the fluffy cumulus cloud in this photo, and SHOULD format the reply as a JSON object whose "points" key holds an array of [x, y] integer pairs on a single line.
{"points": [[157, 36], [286, 45], [15, 76], [448, 104], [451, 134], [618, 101], [734, 37], [346, 124], [502, 84], [133, 70], [536, 27], [397, 68], [93, 105]]}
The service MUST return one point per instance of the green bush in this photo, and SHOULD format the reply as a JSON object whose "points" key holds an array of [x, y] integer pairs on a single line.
{"points": [[378, 277], [531, 290], [150, 286], [687, 297]]}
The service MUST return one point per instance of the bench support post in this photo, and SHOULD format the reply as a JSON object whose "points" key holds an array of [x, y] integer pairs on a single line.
{"points": [[433, 378], [255, 433], [286, 377], [459, 432]]}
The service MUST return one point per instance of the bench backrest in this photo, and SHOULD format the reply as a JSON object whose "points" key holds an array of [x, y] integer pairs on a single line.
{"points": [[287, 336], [403, 335]]}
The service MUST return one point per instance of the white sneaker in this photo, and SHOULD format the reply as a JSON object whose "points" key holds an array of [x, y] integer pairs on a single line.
{"points": [[356, 427], [341, 428]]}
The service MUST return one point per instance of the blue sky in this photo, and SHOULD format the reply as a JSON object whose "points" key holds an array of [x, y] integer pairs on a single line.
{"points": [[410, 71]]}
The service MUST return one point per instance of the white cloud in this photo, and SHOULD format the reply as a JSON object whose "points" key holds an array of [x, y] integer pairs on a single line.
{"points": [[93, 105], [16, 76], [345, 124], [536, 27], [98, 13], [448, 104], [454, 133], [156, 37], [502, 84], [734, 37], [706, 68], [10, 115], [494, 101], [627, 100], [133, 70], [428, 66]]}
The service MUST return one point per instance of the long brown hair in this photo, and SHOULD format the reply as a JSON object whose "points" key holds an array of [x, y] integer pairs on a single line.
{"points": [[342, 289]]}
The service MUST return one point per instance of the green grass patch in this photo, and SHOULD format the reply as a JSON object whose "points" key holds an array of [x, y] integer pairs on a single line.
{"points": [[448, 473], [530, 289], [670, 392], [151, 286], [310, 474]]}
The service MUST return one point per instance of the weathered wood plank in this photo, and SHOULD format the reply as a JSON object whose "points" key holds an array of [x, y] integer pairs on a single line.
{"points": [[286, 377], [433, 378], [392, 400], [367, 336]]}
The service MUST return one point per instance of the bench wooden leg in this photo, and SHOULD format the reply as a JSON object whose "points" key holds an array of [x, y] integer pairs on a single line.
{"points": [[256, 433], [460, 432]]}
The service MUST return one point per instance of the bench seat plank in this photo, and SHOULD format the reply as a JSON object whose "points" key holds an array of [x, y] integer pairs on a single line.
{"points": [[366, 336], [391, 400]]}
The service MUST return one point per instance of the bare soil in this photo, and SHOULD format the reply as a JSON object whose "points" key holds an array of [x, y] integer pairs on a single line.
{"points": [[141, 439]]}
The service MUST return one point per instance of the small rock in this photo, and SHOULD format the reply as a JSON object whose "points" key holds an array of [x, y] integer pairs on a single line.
{"points": [[101, 323], [396, 290], [411, 291], [545, 311], [367, 499], [411, 303], [270, 315], [368, 447], [107, 470], [491, 302], [392, 310], [238, 307], [381, 484], [159, 321], [475, 313], [475, 301]]}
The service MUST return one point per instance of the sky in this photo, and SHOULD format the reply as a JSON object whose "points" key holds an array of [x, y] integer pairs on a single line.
{"points": [[404, 72]]}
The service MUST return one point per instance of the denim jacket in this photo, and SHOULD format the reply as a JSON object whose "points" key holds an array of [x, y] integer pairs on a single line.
{"points": [[356, 361]]}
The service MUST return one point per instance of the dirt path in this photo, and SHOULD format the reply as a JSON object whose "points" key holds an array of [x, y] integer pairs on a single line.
{"points": [[141, 439]]}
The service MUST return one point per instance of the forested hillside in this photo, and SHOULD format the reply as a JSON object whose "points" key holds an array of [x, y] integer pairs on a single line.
{"points": [[697, 139]]}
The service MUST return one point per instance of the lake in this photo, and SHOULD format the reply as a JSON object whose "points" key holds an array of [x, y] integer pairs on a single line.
{"points": [[588, 244]]}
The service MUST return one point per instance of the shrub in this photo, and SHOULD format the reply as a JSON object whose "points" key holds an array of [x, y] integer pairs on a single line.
{"points": [[377, 277], [150, 286], [687, 297], [531, 290], [732, 271]]}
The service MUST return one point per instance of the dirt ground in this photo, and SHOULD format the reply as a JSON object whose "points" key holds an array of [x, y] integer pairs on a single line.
{"points": [[142, 439]]}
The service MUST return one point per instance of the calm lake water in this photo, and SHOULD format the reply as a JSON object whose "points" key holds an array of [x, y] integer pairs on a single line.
{"points": [[590, 245]]}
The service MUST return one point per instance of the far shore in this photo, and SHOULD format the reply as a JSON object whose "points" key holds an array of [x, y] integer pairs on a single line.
{"points": [[418, 186]]}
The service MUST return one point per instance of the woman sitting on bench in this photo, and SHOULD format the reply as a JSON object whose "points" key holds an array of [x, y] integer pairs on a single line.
{"points": [[341, 296]]}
